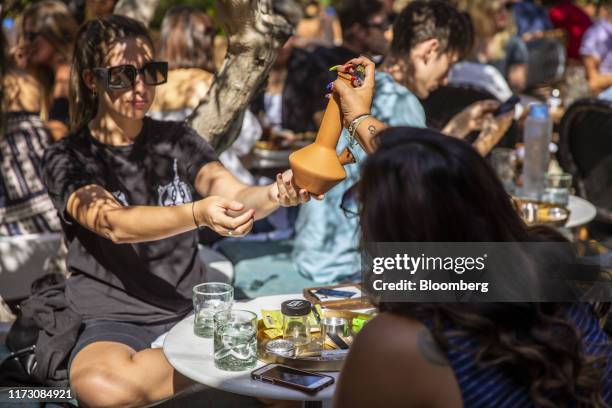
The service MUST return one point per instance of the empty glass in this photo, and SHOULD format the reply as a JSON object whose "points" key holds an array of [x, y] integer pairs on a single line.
{"points": [[558, 188], [235, 340], [208, 299], [503, 161]]}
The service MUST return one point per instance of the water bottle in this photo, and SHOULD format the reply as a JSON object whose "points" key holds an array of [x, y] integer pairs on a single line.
{"points": [[537, 135]]}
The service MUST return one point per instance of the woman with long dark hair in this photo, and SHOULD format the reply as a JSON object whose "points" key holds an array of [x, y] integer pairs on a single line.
{"points": [[422, 186]]}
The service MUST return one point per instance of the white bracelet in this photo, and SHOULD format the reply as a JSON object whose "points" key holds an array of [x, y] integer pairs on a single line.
{"points": [[352, 129]]}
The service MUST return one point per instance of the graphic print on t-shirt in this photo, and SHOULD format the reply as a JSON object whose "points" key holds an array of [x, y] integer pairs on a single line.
{"points": [[174, 193], [119, 196]]}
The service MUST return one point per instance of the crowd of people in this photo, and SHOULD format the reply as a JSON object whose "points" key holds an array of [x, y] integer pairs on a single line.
{"points": [[95, 145]]}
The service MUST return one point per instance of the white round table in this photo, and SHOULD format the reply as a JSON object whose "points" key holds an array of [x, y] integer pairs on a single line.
{"points": [[581, 212], [192, 356]]}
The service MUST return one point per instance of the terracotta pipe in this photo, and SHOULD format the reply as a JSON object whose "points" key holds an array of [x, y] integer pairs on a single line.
{"points": [[316, 167]]}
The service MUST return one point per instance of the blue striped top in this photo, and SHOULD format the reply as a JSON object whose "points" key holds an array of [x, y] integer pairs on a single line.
{"points": [[483, 387]]}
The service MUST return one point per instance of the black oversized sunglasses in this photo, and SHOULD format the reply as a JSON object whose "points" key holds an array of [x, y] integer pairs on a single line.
{"points": [[124, 76]]}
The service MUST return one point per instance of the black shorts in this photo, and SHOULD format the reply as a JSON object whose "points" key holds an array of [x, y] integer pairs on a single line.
{"points": [[136, 336]]}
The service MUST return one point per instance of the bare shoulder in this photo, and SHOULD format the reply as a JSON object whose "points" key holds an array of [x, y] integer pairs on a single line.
{"points": [[397, 360]]}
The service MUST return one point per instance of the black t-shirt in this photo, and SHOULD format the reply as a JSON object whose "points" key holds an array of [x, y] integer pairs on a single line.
{"points": [[147, 282]]}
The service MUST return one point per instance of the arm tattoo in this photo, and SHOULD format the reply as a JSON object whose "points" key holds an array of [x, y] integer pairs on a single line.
{"points": [[429, 349], [372, 130]]}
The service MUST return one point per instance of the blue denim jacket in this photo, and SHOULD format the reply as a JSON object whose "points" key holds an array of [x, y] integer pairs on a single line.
{"points": [[326, 242]]}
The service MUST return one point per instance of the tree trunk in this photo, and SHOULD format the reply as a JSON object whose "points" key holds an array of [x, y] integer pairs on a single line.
{"points": [[256, 29], [141, 10]]}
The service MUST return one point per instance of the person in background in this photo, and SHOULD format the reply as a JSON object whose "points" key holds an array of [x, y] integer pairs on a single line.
{"points": [[98, 8], [187, 38], [572, 20], [428, 38], [496, 42], [48, 32], [530, 18], [596, 52], [468, 354], [364, 26], [128, 188], [25, 207]]}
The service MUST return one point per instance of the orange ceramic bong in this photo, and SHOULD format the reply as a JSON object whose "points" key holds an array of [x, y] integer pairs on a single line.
{"points": [[317, 167]]}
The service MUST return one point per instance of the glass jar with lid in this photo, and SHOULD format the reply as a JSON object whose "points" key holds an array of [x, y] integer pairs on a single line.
{"points": [[295, 321]]}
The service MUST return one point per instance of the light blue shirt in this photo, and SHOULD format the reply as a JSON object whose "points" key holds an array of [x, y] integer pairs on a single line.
{"points": [[326, 242]]}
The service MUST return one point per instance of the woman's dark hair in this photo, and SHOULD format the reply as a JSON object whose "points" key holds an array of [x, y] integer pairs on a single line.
{"points": [[422, 186], [93, 42], [425, 20], [351, 12], [187, 39]]}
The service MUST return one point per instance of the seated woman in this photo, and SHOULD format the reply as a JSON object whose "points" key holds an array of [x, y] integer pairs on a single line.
{"points": [[497, 43], [128, 189], [25, 207], [461, 354]]}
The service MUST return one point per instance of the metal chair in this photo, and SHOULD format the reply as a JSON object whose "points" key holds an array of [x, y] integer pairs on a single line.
{"points": [[585, 151]]}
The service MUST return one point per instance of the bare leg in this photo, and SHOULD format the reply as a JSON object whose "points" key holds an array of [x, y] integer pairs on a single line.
{"points": [[110, 374]]}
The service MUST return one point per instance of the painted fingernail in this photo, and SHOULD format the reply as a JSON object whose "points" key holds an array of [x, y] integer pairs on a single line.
{"points": [[335, 67], [329, 87]]}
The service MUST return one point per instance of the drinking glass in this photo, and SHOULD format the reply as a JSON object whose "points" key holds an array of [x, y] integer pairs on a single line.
{"points": [[503, 160], [558, 188], [208, 299], [235, 340]]}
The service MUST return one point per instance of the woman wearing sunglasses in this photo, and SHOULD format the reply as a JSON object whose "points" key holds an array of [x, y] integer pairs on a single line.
{"points": [[49, 31], [128, 189]]}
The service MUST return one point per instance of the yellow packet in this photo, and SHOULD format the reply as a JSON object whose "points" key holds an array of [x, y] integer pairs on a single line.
{"points": [[273, 333], [273, 319]]}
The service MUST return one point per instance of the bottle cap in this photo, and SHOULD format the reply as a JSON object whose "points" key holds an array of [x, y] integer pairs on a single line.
{"points": [[296, 307], [538, 110]]}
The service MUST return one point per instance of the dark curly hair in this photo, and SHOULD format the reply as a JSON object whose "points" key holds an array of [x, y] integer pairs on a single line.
{"points": [[443, 191]]}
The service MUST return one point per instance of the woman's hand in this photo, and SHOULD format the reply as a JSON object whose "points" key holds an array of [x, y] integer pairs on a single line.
{"points": [[286, 193], [469, 119], [355, 101], [493, 129], [216, 213]]}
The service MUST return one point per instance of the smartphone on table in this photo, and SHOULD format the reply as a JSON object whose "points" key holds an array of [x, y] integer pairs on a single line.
{"points": [[285, 376]]}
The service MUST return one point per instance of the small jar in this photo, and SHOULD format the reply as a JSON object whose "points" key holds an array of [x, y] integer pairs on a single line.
{"points": [[295, 321]]}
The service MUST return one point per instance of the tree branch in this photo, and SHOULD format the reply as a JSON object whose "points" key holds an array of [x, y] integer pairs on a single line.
{"points": [[256, 30], [141, 10]]}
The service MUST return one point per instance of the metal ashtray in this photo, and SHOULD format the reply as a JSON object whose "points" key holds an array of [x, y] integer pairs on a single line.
{"points": [[281, 347]]}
